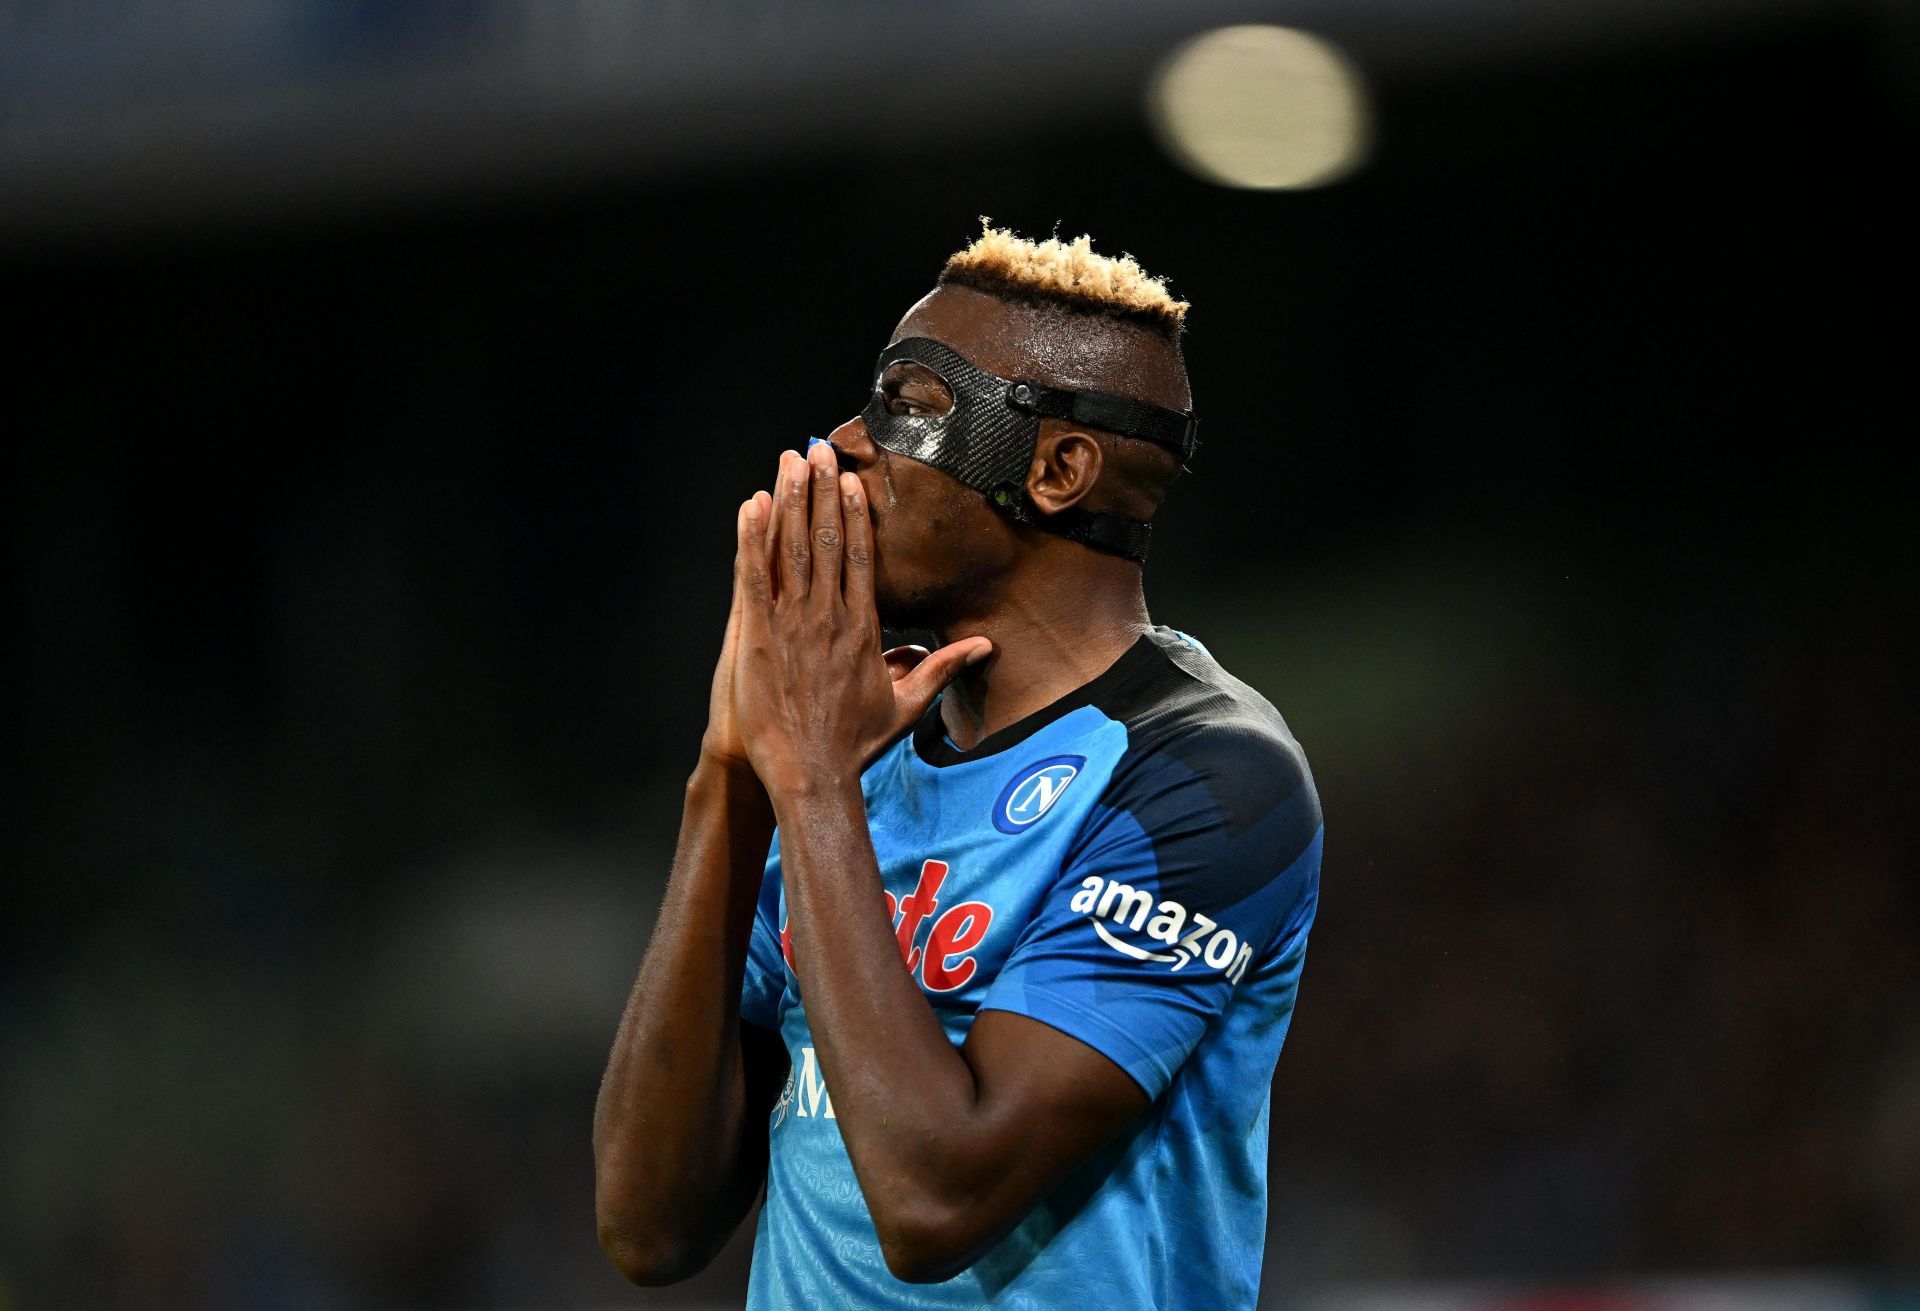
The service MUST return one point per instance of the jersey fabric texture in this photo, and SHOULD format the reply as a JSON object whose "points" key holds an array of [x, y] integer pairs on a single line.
{"points": [[1136, 865]]}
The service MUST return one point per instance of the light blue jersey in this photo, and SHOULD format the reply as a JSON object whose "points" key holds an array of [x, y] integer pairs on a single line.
{"points": [[1137, 865]]}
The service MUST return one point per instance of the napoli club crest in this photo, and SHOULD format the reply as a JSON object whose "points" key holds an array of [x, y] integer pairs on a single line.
{"points": [[1033, 791]]}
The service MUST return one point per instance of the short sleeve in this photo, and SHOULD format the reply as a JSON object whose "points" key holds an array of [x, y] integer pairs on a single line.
{"points": [[765, 979], [1199, 864]]}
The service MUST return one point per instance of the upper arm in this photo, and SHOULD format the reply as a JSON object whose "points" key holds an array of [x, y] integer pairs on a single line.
{"points": [[1049, 1100], [1180, 883], [1197, 866], [1044, 1102]]}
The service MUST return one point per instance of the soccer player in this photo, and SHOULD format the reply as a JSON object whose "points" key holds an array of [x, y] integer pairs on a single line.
{"points": [[978, 960]]}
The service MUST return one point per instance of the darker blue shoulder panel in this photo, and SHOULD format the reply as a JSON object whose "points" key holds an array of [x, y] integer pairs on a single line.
{"points": [[1229, 807], [1209, 764]]}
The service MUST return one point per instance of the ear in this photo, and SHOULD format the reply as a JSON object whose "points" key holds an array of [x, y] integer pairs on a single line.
{"points": [[1066, 465]]}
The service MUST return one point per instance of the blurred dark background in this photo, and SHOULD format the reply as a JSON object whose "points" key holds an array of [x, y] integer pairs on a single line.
{"points": [[373, 425]]}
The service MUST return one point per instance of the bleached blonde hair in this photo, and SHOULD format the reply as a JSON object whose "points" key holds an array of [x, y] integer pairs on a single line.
{"points": [[1066, 273]]}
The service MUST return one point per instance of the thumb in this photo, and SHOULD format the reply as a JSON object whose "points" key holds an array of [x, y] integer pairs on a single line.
{"points": [[915, 691], [903, 660]]}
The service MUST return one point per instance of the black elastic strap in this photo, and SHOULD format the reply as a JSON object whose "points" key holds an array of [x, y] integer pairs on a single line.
{"points": [[1104, 532], [1176, 430], [1107, 532]]}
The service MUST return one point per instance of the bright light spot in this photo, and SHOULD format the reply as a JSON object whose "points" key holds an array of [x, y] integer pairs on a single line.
{"points": [[1260, 106]]}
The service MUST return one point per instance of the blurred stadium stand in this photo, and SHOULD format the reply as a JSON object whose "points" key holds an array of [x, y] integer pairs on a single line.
{"points": [[142, 112], [373, 430]]}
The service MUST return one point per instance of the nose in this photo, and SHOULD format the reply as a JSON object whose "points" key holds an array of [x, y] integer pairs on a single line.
{"points": [[862, 457], [856, 447]]}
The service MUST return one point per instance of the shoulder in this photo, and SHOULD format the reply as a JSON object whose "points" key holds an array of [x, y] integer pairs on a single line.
{"points": [[1210, 803], [1187, 717], [1212, 793]]}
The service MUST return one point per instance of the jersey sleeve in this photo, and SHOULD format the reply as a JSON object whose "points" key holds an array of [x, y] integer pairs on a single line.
{"points": [[1199, 864], [765, 979]]}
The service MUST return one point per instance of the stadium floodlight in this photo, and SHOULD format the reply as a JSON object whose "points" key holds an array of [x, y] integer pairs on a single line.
{"points": [[1264, 107]]}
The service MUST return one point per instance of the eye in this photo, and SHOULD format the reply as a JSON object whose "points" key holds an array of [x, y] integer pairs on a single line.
{"points": [[914, 390], [898, 404]]}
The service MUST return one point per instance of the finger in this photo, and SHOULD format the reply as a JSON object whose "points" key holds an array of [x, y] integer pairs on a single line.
{"points": [[859, 548], [770, 520], [790, 512], [739, 576], [752, 581], [826, 521], [916, 691], [763, 507], [903, 660], [768, 536]]}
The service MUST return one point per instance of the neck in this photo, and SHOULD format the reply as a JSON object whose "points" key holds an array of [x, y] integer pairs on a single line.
{"points": [[1051, 634]]}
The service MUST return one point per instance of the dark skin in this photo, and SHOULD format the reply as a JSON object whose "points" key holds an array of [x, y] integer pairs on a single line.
{"points": [[952, 1146]]}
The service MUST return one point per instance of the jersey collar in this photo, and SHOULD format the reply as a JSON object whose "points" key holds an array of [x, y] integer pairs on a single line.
{"points": [[1136, 662]]}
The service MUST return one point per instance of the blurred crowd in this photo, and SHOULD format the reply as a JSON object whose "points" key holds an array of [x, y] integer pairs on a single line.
{"points": [[362, 576], [1627, 976], [1615, 972]]}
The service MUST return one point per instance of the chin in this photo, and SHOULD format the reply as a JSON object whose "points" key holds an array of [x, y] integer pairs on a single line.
{"points": [[909, 608], [934, 605], [931, 591], [907, 615]]}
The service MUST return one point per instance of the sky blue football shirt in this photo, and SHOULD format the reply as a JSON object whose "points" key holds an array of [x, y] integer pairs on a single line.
{"points": [[1137, 865]]}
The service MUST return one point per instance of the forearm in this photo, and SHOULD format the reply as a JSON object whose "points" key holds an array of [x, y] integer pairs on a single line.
{"points": [[951, 1146], [905, 1099], [673, 1166]]}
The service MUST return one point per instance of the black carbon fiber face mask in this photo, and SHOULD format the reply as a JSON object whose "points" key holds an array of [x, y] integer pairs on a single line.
{"points": [[986, 439]]}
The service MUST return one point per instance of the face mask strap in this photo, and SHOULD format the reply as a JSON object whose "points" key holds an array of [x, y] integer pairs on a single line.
{"points": [[1103, 532], [1176, 430], [986, 439]]}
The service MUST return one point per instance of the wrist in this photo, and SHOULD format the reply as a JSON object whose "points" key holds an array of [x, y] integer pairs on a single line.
{"points": [[801, 786], [725, 775], [723, 749]]}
